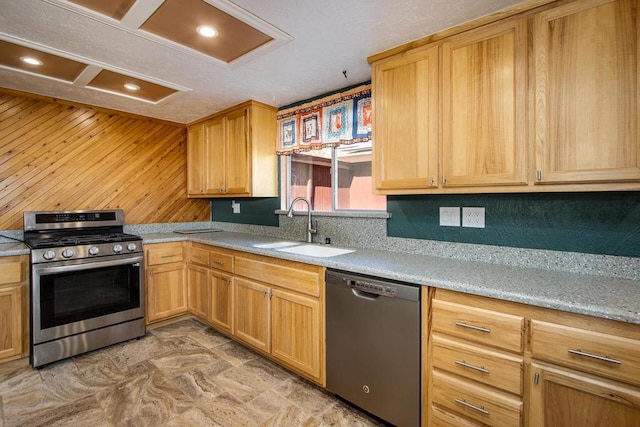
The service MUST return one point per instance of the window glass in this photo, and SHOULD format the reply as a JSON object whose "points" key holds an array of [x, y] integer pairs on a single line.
{"points": [[354, 181], [310, 174]]}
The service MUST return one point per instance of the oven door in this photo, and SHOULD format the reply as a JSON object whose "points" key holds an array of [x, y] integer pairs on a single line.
{"points": [[72, 297]]}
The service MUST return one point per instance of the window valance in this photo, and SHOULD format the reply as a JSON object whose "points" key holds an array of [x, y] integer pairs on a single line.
{"points": [[340, 118]]}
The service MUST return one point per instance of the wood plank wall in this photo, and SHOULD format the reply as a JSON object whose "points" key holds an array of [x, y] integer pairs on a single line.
{"points": [[68, 157]]}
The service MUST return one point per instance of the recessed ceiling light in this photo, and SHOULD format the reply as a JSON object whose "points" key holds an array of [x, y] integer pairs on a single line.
{"points": [[207, 31], [131, 86], [31, 60]]}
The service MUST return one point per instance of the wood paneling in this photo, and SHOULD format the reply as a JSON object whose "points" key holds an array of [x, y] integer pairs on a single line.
{"points": [[65, 157]]}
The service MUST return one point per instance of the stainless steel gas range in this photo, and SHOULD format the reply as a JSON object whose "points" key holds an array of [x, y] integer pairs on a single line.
{"points": [[87, 282]]}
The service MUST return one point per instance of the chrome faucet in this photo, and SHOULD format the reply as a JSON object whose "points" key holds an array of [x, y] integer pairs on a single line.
{"points": [[310, 230]]}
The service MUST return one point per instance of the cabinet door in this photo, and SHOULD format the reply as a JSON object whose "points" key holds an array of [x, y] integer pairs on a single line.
{"points": [[166, 291], [586, 94], [405, 96], [252, 314], [237, 156], [484, 106], [198, 291], [565, 398], [215, 156], [221, 314], [196, 160], [10, 321], [295, 338]]}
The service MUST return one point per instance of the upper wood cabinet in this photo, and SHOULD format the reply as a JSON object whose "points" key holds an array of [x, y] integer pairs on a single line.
{"points": [[405, 96], [586, 94], [542, 97], [484, 106], [232, 154]]}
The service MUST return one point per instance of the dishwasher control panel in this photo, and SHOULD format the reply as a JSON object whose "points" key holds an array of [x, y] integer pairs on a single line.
{"points": [[374, 285], [373, 288]]}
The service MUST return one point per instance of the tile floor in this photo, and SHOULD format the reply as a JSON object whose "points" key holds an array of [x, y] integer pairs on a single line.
{"points": [[184, 374]]}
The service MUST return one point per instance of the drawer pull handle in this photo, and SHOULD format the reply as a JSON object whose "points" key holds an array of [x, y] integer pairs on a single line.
{"points": [[595, 356], [469, 405], [168, 256], [475, 368], [196, 256], [218, 262], [475, 328]]}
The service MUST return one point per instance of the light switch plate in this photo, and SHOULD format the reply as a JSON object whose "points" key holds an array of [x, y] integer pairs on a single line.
{"points": [[235, 207], [449, 216], [473, 217]]}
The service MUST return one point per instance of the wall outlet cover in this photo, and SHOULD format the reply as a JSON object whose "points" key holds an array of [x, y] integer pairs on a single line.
{"points": [[449, 216], [473, 217]]}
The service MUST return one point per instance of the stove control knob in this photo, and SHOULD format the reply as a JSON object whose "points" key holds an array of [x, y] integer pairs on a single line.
{"points": [[94, 250], [67, 253], [132, 247], [117, 248], [48, 255]]}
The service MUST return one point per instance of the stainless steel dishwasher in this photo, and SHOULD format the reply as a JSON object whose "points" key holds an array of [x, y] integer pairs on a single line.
{"points": [[373, 345]]}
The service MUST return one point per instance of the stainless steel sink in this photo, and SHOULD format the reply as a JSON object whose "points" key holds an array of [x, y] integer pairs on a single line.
{"points": [[315, 250]]}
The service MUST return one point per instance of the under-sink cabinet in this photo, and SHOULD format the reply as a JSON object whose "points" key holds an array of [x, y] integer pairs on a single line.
{"points": [[493, 362], [166, 281], [279, 309], [14, 300]]}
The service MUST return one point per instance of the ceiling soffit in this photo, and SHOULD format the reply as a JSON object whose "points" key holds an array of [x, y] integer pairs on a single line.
{"points": [[172, 23]]}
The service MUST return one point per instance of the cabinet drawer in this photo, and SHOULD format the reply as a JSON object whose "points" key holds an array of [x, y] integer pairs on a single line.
{"points": [[477, 402], [486, 366], [482, 326], [441, 418], [221, 261], [10, 270], [296, 276], [165, 253], [198, 255], [593, 352]]}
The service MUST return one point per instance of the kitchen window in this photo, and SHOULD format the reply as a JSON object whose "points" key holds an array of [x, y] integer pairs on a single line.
{"points": [[333, 179]]}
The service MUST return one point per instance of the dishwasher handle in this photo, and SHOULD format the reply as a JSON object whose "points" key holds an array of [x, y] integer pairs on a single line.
{"points": [[364, 294]]}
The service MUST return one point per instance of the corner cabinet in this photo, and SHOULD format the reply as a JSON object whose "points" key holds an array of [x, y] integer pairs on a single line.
{"points": [[587, 103], [14, 296], [233, 153]]}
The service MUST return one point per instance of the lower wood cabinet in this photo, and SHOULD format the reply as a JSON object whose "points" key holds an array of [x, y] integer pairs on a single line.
{"points": [[563, 397], [281, 312], [492, 362], [221, 301], [14, 308], [166, 281], [253, 314], [198, 290]]}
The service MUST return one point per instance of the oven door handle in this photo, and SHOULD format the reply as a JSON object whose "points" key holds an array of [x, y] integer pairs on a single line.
{"points": [[86, 266]]}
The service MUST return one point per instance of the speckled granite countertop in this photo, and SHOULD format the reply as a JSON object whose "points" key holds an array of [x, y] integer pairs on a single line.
{"points": [[13, 248], [605, 297]]}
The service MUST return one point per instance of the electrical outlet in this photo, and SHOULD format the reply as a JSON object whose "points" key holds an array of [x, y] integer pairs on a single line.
{"points": [[235, 207], [473, 217], [449, 217]]}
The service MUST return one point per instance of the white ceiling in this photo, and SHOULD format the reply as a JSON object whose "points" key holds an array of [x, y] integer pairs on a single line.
{"points": [[326, 37]]}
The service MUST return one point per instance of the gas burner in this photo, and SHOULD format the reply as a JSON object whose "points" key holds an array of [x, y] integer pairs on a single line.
{"points": [[69, 235]]}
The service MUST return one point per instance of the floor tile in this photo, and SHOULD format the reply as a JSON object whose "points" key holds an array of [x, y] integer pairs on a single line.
{"points": [[184, 374]]}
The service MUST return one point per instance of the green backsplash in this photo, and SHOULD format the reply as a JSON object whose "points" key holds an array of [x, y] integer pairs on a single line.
{"points": [[598, 223], [255, 211]]}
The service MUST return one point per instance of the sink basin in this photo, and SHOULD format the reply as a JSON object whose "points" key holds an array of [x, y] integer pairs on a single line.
{"points": [[275, 245], [315, 250]]}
